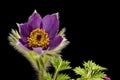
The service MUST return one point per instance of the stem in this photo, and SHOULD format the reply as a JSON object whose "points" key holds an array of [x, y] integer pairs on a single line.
{"points": [[41, 68], [55, 75], [41, 75], [57, 70]]}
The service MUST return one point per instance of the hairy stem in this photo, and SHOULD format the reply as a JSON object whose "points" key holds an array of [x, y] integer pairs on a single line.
{"points": [[41, 75], [41, 68], [43, 64]]}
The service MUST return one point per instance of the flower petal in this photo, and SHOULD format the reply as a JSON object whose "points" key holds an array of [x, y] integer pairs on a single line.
{"points": [[55, 42], [35, 20], [24, 30], [38, 50], [107, 78], [25, 46], [51, 24], [23, 40]]}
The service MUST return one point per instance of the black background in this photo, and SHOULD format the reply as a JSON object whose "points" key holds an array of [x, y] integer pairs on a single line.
{"points": [[91, 29]]}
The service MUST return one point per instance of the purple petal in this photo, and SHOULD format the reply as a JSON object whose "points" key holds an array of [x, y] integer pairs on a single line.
{"points": [[38, 50], [107, 78], [51, 24], [55, 42], [35, 20], [25, 47], [23, 40], [24, 30]]}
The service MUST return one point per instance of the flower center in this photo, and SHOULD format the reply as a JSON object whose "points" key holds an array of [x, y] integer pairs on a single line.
{"points": [[38, 38]]}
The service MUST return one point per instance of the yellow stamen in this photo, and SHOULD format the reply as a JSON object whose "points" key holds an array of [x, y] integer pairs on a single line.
{"points": [[38, 38]]}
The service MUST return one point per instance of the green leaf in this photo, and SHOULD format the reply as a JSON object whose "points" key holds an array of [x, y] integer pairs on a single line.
{"points": [[48, 76], [80, 71], [93, 66], [94, 70], [62, 32], [63, 77], [99, 75], [15, 33], [90, 71], [64, 65], [59, 64]]}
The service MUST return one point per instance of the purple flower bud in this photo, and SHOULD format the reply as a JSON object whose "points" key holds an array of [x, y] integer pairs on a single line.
{"points": [[107, 78]]}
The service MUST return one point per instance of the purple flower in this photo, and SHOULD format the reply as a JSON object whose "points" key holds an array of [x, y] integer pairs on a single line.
{"points": [[107, 78], [40, 34]]}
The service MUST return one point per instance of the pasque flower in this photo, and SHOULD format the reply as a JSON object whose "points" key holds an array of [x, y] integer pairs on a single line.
{"points": [[39, 40], [40, 34]]}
